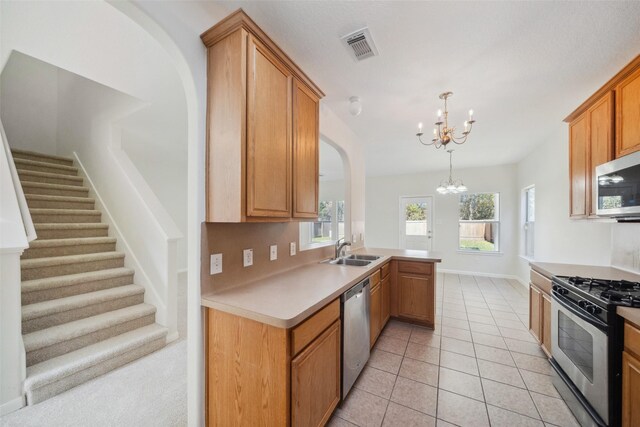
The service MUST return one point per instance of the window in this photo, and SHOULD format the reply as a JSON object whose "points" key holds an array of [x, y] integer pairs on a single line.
{"points": [[328, 228], [529, 203], [479, 226]]}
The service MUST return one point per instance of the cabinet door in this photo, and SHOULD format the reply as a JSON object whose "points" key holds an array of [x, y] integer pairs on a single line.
{"points": [[630, 390], [415, 298], [385, 288], [306, 141], [601, 143], [374, 314], [546, 323], [628, 115], [315, 380], [578, 171], [535, 319], [268, 152]]}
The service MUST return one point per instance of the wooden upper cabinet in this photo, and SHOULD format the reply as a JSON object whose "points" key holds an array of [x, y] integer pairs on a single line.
{"points": [[306, 138], [262, 128], [601, 144], [578, 170], [268, 134], [628, 114]]}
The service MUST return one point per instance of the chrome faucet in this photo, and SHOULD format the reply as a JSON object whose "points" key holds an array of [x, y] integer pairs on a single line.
{"points": [[340, 247]]}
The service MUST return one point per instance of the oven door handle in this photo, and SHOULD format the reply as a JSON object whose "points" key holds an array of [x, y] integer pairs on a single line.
{"points": [[589, 319]]}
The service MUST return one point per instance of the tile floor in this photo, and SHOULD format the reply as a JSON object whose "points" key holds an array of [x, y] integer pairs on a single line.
{"points": [[479, 367]]}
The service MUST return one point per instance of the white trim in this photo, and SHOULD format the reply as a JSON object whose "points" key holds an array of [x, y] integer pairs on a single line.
{"points": [[151, 293], [474, 252], [431, 200], [12, 405], [526, 258], [494, 275]]}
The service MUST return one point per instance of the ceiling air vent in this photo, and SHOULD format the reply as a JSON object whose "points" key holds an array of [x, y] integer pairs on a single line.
{"points": [[360, 44]]}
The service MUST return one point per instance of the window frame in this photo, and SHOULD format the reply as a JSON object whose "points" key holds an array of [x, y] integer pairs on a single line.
{"points": [[305, 239], [497, 243], [526, 224]]}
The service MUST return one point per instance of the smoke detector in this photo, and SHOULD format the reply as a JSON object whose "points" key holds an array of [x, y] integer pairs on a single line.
{"points": [[360, 44]]}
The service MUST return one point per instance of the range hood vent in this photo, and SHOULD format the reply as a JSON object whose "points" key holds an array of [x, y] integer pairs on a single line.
{"points": [[360, 44]]}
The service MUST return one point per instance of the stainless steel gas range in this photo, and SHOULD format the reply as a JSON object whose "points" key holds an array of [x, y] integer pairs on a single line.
{"points": [[587, 343]]}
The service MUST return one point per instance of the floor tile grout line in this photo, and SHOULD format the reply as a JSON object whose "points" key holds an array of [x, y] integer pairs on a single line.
{"points": [[484, 396], [526, 386]]}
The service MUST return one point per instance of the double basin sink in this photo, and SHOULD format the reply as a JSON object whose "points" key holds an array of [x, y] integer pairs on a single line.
{"points": [[355, 260]]}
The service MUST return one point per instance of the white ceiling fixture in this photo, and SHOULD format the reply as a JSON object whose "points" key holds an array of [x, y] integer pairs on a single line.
{"points": [[355, 106], [360, 44], [450, 186], [442, 133]]}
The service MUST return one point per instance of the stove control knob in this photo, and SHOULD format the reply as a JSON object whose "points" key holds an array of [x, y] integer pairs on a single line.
{"points": [[593, 309], [583, 304], [563, 291]]}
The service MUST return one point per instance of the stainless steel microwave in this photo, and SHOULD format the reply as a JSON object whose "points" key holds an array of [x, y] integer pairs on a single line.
{"points": [[619, 188]]}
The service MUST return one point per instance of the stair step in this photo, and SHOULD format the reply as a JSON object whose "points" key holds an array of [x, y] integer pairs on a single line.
{"points": [[68, 231], [39, 290], [41, 166], [52, 216], [49, 158], [73, 246], [46, 379], [54, 189], [40, 268], [39, 201], [49, 178], [46, 314], [55, 341]]}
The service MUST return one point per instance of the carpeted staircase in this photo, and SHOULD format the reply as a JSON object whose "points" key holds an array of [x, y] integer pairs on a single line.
{"points": [[82, 314]]}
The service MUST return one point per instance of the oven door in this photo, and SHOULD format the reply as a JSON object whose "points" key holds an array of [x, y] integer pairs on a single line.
{"points": [[580, 349]]}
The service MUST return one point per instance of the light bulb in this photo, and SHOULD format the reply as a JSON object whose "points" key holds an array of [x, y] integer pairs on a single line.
{"points": [[462, 188], [439, 114], [470, 115], [420, 127], [441, 190], [451, 187]]}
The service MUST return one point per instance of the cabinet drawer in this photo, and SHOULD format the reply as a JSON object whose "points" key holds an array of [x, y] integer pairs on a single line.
{"points": [[415, 267], [385, 270], [541, 282], [303, 334], [631, 338], [374, 279]]}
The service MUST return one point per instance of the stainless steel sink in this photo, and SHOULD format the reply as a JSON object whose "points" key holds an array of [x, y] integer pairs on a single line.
{"points": [[364, 257], [349, 261]]}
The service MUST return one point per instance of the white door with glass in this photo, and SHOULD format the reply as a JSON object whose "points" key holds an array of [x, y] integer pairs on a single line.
{"points": [[416, 222]]}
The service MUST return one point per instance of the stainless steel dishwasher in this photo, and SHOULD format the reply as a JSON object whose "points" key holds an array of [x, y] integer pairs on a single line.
{"points": [[355, 333]]}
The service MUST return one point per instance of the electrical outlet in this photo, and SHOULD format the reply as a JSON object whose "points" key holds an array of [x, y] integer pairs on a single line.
{"points": [[216, 264], [247, 257], [292, 248], [273, 252], [354, 239]]}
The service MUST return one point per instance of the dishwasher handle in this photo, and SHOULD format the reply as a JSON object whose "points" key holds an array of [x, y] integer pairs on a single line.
{"points": [[356, 291]]}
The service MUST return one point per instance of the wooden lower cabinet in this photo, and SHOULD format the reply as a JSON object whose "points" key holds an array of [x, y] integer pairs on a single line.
{"points": [[535, 318], [375, 311], [315, 380], [546, 324], [415, 298], [630, 390], [385, 286], [258, 374]]}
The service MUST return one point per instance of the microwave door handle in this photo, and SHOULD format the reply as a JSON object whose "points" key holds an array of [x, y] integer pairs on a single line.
{"points": [[591, 320]]}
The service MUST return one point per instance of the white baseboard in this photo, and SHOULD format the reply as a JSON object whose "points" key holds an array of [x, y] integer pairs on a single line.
{"points": [[12, 405], [494, 275]]}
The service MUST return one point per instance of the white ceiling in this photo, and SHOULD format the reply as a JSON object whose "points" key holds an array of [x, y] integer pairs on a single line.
{"points": [[522, 67]]}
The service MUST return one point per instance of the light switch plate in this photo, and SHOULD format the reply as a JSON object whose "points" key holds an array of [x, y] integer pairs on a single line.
{"points": [[354, 239], [292, 248], [247, 257], [216, 264], [273, 252]]}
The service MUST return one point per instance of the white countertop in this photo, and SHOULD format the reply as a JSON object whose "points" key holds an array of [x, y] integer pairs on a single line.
{"points": [[286, 299]]}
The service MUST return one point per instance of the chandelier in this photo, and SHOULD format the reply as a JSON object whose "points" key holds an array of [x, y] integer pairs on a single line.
{"points": [[451, 186], [442, 133]]}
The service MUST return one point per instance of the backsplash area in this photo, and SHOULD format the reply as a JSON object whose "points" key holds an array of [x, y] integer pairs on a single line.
{"points": [[230, 239], [625, 244]]}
